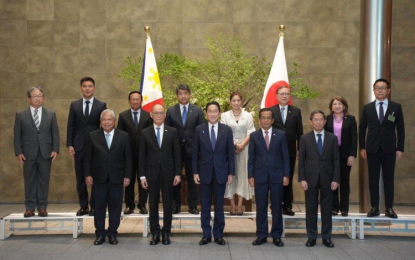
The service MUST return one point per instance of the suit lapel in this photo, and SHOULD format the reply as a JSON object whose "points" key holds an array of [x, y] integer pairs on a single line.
{"points": [[44, 116], [207, 137], [114, 139], [273, 138], [288, 117], [103, 139], [189, 112], [374, 112], [325, 143], [278, 117], [154, 137], [314, 142], [219, 135], [262, 139], [130, 120], [30, 118], [81, 109], [178, 114], [390, 106]]}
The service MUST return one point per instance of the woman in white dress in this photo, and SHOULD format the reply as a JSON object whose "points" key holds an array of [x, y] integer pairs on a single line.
{"points": [[242, 125]]}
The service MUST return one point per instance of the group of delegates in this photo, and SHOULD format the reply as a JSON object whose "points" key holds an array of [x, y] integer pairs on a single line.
{"points": [[226, 156]]}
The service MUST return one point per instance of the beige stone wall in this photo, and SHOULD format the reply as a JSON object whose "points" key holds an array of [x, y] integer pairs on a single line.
{"points": [[54, 43]]}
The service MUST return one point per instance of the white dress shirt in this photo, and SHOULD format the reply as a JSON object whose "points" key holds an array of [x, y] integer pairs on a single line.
{"points": [[384, 105], [39, 113], [91, 101], [138, 114], [110, 137], [215, 128], [161, 132]]}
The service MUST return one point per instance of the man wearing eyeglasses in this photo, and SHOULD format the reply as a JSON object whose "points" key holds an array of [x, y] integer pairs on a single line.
{"points": [[288, 119], [382, 139]]}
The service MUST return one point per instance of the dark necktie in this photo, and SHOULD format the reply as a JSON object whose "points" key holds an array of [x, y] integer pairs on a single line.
{"points": [[319, 144], [87, 109], [184, 115], [381, 113], [282, 115], [135, 120], [158, 137], [267, 139], [213, 137]]}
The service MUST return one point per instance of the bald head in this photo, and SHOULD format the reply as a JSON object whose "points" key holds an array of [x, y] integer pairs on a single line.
{"points": [[158, 114]]}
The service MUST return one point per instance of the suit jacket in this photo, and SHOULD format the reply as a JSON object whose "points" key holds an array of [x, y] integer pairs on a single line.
{"points": [[206, 161], [384, 133], [293, 127], [154, 160], [313, 166], [274, 162], [28, 140], [348, 135], [126, 123], [194, 118], [102, 163], [78, 126]]}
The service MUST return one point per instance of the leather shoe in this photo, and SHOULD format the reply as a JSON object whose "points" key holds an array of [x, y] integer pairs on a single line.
{"points": [[42, 213], [155, 240], [82, 211], [390, 213], [278, 242], [28, 214], [334, 213], [374, 212], [128, 211], [345, 214], [204, 241], [328, 243], [92, 212], [112, 240], [143, 210], [310, 243], [99, 241], [165, 239], [193, 211], [220, 241], [288, 211], [259, 241], [176, 210]]}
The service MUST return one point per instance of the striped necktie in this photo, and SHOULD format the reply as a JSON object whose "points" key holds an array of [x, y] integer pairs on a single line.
{"points": [[36, 119]]}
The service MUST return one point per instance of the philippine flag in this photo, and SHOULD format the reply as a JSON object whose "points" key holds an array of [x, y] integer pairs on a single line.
{"points": [[278, 77], [150, 86]]}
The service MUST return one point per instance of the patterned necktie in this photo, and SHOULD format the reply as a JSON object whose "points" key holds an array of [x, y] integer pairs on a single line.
{"points": [[381, 113], [213, 137], [158, 136], [184, 115], [36, 119], [319, 144], [135, 120], [107, 137], [87, 109], [282, 115], [267, 139]]}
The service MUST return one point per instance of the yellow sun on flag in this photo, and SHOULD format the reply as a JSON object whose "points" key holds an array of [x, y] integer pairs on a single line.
{"points": [[145, 97], [155, 79], [150, 50]]}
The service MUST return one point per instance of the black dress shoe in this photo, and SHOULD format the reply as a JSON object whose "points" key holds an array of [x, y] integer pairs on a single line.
{"points": [[204, 241], [259, 241], [390, 213], [288, 212], [99, 241], [113, 240], [82, 211], [345, 214], [128, 211], [334, 213], [166, 239], [220, 241], [176, 210], [278, 242], [143, 210], [92, 212], [310, 243], [194, 211], [374, 212], [328, 243], [155, 240]]}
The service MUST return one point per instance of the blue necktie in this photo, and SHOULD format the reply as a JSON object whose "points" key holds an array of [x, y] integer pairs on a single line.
{"points": [[213, 137], [381, 113], [158, 137], [282, 115], [184, 115], [319, 144], [107, 137], [135, 120]]}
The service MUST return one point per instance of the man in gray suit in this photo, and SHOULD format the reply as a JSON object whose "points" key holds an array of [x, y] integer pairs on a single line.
{"points": [[36, 145]]}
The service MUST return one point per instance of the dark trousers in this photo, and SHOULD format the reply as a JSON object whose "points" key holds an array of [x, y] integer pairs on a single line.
{"points": [[166, 188], [130, 190], [311, 203], [374, 162], [107, 194], [192, 189], [288, 195], [218, 192], [81, 187], [36, 175], [343, 204], [263, 191]]}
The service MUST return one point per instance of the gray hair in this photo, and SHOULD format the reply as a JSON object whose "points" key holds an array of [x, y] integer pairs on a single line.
{"points": [[30, 90], [108, 111]]}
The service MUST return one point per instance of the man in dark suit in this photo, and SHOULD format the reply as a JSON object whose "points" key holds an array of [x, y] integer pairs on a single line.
{"points": [[133, 121], [268, 172], [288, 119], [160, 169], [213, 168], [382, 146], [185, 116], [319, 173], [83, 118], [36, 145], [108, 166]]}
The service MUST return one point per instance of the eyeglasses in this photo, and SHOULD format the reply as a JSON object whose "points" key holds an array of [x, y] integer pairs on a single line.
{"points": [[213, 112], [284, 94], [380, 88], [37, 96], [318, 119], [158, 113], [266, 118]]}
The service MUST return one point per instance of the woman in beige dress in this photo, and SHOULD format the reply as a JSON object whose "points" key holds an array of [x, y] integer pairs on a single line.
{"points": [[242, 125]]}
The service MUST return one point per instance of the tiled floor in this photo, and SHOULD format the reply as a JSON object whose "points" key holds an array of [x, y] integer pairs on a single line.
{"points": [[239, 236]]}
